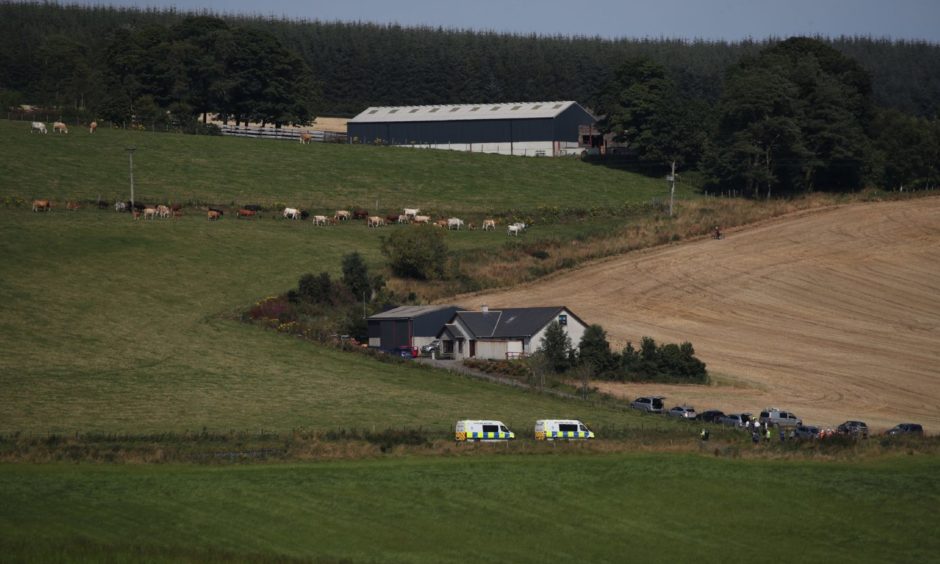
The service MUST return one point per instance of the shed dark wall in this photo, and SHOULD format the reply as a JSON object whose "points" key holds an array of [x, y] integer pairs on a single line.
{"points": [[567, 123], [463, 131], [393, 333]]}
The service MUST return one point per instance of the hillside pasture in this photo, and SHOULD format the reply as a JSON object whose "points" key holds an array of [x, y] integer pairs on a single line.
{"points": [[122, 326], [320, 177]]}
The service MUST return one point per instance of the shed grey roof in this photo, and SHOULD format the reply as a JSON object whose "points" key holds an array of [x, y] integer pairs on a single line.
{"points": [[454, 112], [510, 322], [410, 312]]}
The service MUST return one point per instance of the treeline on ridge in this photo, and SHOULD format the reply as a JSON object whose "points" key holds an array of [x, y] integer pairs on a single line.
{"points": [[770, 118]]}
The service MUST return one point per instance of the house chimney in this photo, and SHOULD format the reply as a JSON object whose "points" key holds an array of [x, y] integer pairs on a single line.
{"points": [[485, 308]]}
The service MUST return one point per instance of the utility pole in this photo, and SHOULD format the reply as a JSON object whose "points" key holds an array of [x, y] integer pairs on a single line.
{"points": [[672, 187], [130, 157]]}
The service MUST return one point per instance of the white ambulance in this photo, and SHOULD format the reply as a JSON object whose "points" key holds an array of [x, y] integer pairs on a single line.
{"points": [[479, 430], [554, 429]]}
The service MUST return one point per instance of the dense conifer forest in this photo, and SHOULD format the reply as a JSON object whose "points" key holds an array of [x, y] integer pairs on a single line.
{"points": [[768, 117]]}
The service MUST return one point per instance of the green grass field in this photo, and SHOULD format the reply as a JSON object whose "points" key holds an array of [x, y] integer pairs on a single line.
{"points": [[562, 508], [319, 177], [113, 326]]}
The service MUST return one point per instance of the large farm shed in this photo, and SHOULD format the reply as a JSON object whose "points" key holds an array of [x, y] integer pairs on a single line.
{"points": [[408, 326], [534, 129]]}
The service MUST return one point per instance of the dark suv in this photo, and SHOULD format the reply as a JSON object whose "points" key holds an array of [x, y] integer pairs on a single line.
{"points": [[854, 429], [650, 404], [907, 429]]}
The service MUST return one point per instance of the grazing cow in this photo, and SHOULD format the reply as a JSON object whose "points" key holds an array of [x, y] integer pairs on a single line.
{"points": [[136, 214], [342, 215], [150, 213], [513, 229], [247, 213], [38, 126], [392, 218], [520, 225], [360, 214], [320, 220], [402, 218], [489, 224], [291, 213], [42, 205], [305, 138], [163, 211], [252, 207], [304, 214], [422, 219], [411, 212], [59, 127], [472, 226], [71, 205], [213, 215], [454, 223], [441, 223], [93, 127], [120, 206], [375, 221], [218, 211]]}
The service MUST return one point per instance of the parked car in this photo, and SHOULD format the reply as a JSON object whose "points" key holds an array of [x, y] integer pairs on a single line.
{"points": [[682, 412], [779, 418], [806, 432], [405, 351], [650, 404], [906, 429], [736, 419], [711, 416], [854, 429], [434, 345]]}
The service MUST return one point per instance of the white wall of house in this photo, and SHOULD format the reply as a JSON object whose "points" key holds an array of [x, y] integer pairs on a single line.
{"points": [[494, 350], [574, 328]]}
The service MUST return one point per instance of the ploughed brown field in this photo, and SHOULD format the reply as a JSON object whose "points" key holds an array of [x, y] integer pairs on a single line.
{"points": [[833, 314]]}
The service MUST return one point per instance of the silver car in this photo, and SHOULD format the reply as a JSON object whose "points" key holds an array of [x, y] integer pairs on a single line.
{"points": [[778, 418], [650, 404], [736, 420], [682, 412], [806, 432]]}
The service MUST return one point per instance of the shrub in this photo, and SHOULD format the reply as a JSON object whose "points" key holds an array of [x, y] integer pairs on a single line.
{"points": [[556, 346], [316, 289], [416, 252]]}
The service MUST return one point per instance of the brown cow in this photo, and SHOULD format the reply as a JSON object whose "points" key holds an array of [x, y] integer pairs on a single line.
{"points": [[392, 218], [42, 205], [441, 223], [71, 205], [246, 213], [93, 127], [213, 215], [305, 138], [59, 127], [360, 214], [136, 214]]}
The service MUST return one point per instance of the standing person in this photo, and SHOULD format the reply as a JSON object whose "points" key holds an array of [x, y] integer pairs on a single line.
{"points": [[755, 437], [767, 435]]}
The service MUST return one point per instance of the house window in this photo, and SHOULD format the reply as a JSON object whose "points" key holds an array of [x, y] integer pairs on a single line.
{"points": [[563, 319]]}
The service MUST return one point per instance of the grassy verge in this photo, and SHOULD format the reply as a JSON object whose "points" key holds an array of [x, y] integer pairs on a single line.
{"points": [[507, 508]]}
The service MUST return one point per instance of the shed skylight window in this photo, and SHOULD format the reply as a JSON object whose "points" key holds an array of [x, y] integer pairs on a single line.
{"points": [[393, 111], [537, 106], [432, 110], [494, 108], [454, 109], [413, 111], [556, 106], [372, 111], [514, 108], [475, 108]]}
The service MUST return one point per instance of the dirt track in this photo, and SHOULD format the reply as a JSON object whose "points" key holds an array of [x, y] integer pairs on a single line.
{"points": [[834, 314]]}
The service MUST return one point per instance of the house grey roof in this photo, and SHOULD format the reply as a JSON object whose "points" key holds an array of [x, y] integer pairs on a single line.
{"points": [[410, 312], [508, 323], [455, 112]]}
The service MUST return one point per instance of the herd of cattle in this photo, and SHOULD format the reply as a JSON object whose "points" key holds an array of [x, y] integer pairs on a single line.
{"points": [[58, 127], [409, 215]]}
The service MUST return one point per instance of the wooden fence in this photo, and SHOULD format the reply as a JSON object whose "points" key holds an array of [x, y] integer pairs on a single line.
{"points": [[282, 134]]}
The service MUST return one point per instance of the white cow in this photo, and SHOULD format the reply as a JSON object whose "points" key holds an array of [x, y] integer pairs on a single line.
{"points": [[454, 223], [376, 221], [38, 126], [489, 224], [59, 127], [291, 213], [422, 219], [320, 220], [402, 218], [412, 211], [515, 228], [120, 206]]}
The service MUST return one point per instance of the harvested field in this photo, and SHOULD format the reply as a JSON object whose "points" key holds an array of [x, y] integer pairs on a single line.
{"points": [[833, 313]]}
